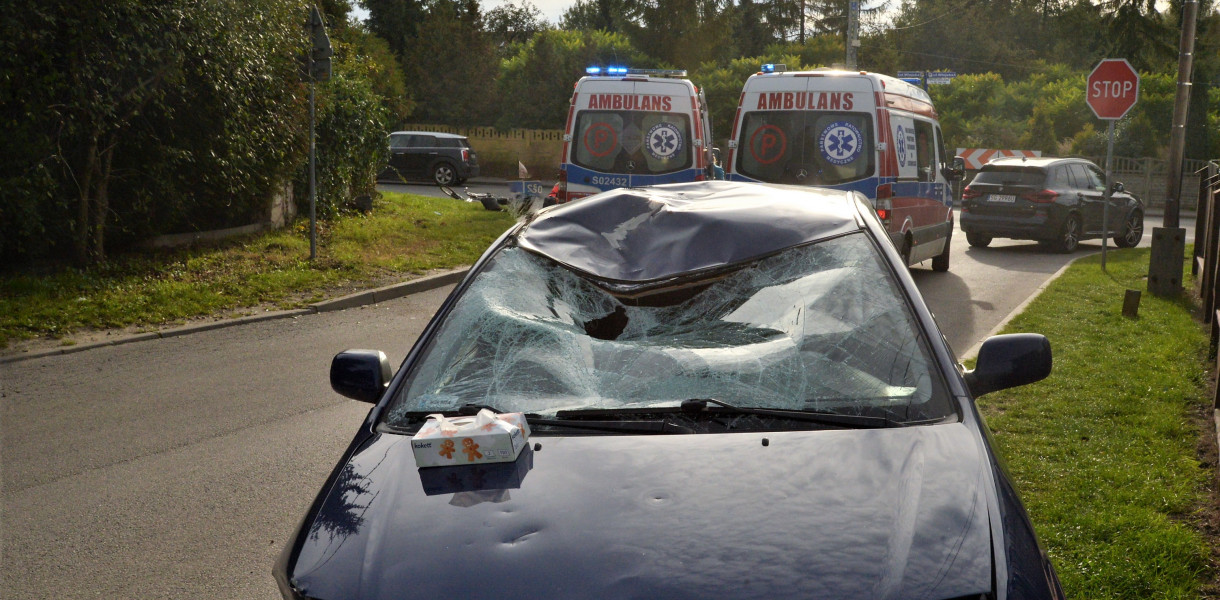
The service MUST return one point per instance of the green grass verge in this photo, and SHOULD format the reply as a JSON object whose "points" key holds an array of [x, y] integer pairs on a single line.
{"points": [[1105, 450], [404, 236]]}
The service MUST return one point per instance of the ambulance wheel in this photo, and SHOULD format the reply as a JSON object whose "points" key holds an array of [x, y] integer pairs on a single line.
{"points": [[444, 174], [940, 262], [978, 240]]}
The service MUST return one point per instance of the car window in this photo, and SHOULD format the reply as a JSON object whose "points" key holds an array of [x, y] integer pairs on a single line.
{"points": [[1061, 179], [423, 141], [449, 142], [925, 156], [399, 140], [1010, 176], [1084, 179], [1096, 177], [806, 147], [1070, 177], [818, 327], [633, 141], [940, 146]]}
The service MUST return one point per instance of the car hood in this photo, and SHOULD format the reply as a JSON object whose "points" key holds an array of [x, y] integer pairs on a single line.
{"points": [[891, 513]]}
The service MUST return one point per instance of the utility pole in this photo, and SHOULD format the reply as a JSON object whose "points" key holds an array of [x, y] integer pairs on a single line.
{"points": [[1169, 241], [853, 33], [318, 70], [800, 35]]}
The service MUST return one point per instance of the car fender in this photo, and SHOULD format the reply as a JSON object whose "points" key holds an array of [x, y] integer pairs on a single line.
{"points": [[439, 160]]}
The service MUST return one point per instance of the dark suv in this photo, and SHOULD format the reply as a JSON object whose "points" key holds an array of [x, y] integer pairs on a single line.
{"points": [[1057, 201], [444, 158]]}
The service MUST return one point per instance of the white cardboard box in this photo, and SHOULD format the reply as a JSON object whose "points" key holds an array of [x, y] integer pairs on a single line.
{"points": [[485, 438]]}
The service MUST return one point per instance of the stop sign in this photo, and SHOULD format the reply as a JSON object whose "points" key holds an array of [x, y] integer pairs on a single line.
{"points": [[1113, 88]]}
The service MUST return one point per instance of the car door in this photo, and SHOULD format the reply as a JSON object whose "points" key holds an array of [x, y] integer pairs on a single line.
{"points": [[420, 155], [1117, 202], [1091, 193], [399, 147]]}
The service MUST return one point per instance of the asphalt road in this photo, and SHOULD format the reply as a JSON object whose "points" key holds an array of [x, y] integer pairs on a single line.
{"points": [[176, 468]]}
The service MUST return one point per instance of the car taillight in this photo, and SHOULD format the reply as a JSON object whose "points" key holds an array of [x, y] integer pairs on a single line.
{"points": [[884, 213], [1043, 197], [968, 193], [885, 190], [465, 155]]}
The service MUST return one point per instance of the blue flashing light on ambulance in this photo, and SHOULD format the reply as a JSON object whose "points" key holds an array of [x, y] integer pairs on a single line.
{"points": [[631, 127], [852, 130]]}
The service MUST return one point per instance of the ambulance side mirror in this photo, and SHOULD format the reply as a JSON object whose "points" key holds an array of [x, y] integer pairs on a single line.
{"points": [[956, 171]]}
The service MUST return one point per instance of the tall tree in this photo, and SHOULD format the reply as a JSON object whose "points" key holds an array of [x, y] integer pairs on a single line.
{"points": [[613, 16], [1137, 33], [511, 23], [451, 66], [535, 86], [395, 21]]}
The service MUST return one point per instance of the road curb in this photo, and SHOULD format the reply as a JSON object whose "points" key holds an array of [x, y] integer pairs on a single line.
{"points": [[973, 352], [362, 298]]}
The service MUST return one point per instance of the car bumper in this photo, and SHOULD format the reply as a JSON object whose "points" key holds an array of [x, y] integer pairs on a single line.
{"points": [[1036, 226]]}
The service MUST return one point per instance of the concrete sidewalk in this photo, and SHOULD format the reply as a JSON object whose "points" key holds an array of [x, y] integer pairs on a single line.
{"points": [[362, 298]]}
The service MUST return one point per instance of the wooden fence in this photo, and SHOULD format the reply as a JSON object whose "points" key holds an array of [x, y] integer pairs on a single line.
{"points": [[500, 151]]}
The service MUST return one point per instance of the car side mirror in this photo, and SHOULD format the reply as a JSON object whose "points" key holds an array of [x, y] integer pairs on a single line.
{"points": [[1010, 360], [360, 374], [1117, 188]]}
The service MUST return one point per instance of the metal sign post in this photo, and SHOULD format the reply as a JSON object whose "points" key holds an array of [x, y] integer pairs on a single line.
{"points": [[1105, 207], [1112, 89]]}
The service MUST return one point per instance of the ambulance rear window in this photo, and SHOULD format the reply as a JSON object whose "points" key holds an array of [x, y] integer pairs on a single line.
{"points": [[632, 142], [806, 147]]}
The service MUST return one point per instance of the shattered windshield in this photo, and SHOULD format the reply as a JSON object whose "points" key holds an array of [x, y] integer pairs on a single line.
{"points": [[821, 327]]}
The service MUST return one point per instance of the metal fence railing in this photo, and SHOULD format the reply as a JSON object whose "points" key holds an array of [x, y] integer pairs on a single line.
{"points": [[1206, 256], [1148, 179]]}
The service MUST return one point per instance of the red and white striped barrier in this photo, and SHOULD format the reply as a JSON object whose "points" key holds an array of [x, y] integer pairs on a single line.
{"points": [[977, 157]]}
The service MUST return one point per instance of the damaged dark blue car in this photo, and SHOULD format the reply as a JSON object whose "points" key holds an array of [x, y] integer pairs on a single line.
{"points": [[734, 391]]}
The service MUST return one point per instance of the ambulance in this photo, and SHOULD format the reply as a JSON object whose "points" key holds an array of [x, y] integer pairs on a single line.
{"points": [[852, 130], [633, 127]]}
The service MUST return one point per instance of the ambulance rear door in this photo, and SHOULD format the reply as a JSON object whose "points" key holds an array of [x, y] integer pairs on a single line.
{"points": [[629, 132], [808, 129]]}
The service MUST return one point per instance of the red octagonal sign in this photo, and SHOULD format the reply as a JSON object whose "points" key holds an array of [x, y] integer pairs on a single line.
{"points": [[1113, 88]]}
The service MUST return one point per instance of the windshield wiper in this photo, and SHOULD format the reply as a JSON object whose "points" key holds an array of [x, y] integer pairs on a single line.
{"points": [[699, 405], [533, 419], [649, 427]]}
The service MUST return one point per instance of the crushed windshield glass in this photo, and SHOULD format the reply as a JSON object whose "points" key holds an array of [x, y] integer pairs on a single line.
{"points": [[821, 327]]}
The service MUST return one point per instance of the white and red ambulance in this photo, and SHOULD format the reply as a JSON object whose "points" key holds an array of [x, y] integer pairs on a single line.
{"points": [[852, 130], [633, 127]]}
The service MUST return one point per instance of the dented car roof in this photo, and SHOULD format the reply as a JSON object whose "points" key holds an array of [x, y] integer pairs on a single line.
{"points": [[661, 232]]}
